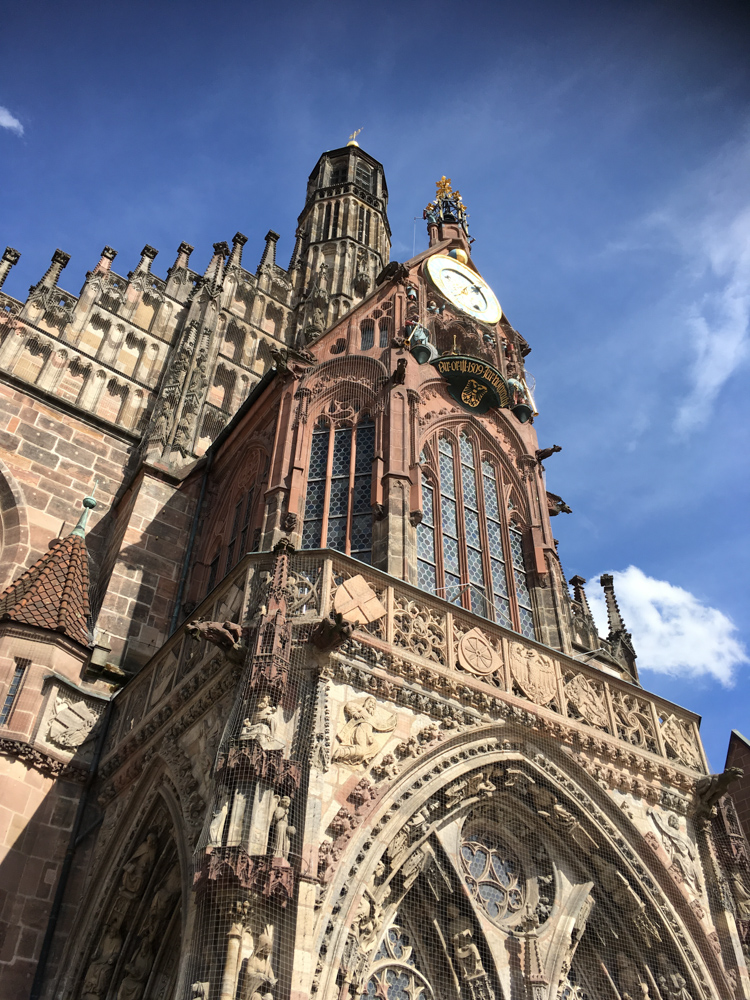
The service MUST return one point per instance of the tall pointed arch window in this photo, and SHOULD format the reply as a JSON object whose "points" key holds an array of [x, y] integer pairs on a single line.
{"points": [[469, 548], [338, 513]]}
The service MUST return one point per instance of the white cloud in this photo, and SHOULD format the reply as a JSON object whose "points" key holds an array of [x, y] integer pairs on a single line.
{"points": [[7, 120], [708, 222], [673, 631]]}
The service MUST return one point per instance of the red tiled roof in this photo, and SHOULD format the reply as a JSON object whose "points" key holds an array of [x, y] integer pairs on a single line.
{"points": [[54, 592]]}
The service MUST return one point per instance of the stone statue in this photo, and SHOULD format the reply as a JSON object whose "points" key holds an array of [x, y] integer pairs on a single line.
{"points": [[161, 902], [138, 868], [631, 981], [258, 972], [358, 741], [282, 831], [261, 726], [216, 829], [467, 955], [102, 965], [683, 855], [136, 972]]}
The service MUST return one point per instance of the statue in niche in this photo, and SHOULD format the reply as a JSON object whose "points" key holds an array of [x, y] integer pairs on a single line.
{"points": [[282, 831], [136, 972], [138, 868], [258, 974], [631, 981], [216, 827], [359, 744], [102, 965], [467, 955], [741, 897], [261, 726], [161, 901], [683, 855], [465, 951], [672, 983]]}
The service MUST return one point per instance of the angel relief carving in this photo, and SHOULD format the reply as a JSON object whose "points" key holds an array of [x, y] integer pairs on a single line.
{"points": [[533, 672], [365, 732]]}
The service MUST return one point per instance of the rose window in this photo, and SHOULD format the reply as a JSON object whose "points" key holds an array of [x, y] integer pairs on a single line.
{"points": [[494, 876]]}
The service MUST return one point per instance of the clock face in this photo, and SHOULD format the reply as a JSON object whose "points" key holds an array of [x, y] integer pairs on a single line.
{"points": [[464, 289]]}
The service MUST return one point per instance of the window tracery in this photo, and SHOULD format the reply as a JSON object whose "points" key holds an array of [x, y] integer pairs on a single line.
{"points": [[395, 972], [338, 512], [494, 876], [469, 543]]}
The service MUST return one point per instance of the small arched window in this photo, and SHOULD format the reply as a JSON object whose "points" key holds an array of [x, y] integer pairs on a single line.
{"points": [[469, 548], [338, 512], [367, 332]]}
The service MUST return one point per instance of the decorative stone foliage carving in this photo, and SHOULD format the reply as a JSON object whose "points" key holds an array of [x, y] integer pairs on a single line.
{"points": [[419, 629], [633, 720], [585, 700], [533, 672], [680, 740]]}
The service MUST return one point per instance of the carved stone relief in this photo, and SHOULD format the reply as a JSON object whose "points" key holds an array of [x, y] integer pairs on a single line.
{"points": [[356, 601], [586, 700], [364, 733], [678, 738], [476, 654], [533, 672]]}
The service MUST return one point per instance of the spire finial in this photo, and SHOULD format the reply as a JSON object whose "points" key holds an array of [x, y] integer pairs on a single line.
{"points": [[353, 137], [88, 505]]}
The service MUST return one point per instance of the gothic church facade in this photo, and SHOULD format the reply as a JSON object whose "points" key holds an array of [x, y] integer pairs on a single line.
{"points": [[300, 703]]}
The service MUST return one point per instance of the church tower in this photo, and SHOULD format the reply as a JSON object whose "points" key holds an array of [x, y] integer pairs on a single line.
{"points": [[344, 232], [367, 743]]}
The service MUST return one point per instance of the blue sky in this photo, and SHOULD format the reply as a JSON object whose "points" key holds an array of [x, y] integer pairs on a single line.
{"points": [[603, 150]]}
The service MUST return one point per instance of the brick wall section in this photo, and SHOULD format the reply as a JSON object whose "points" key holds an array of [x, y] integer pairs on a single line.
{"points": [[738, 755], [154, 528], [36, 816], [55, 460]]}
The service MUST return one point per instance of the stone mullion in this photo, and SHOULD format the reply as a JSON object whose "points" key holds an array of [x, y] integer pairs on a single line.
{"points": [[390, 603], [561, 688], [657, 728], [610, 710], [326, 586], [450, 657]]}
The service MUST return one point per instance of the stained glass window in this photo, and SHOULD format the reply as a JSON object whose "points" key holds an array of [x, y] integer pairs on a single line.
{"points": [[316, 488], [338, 512], [426, 569], [468, 550]]}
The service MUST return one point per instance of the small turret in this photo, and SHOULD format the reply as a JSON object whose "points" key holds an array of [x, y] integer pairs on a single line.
{"points": [[235, 258], [148, 255], [214, 275], [9, 259], [269, 253], [105, 261], [52, 275]]}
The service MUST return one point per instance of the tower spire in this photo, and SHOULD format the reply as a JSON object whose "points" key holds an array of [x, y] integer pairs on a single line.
{"points": [[620, 640]]}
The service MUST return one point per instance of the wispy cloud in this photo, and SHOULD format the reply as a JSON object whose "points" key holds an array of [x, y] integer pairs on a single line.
{"points": [[673, 631], [708, 222], [9, 121]]}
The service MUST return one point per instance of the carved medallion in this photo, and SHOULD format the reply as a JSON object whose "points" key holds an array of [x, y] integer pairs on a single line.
{"points": [[356, 601], [533, 672], [476, 655], [678, 737]]}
